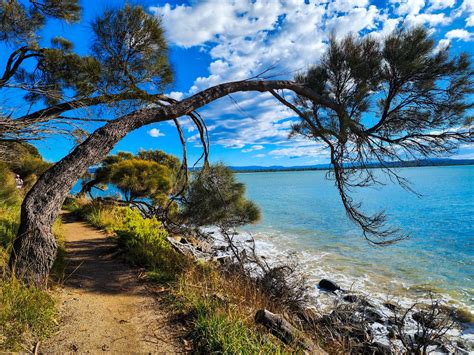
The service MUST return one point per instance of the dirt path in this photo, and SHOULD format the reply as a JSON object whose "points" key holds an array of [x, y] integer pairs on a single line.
{"points": [[103, 306]]}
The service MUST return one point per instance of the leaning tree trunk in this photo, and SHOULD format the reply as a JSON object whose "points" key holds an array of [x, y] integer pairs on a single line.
{"points": [[35, 248]]}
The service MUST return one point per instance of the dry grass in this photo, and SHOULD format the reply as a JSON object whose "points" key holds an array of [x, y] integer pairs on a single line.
{"points": [[222, 311], [27, 313]]}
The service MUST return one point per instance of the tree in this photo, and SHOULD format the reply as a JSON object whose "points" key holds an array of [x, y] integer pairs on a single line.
{"points": [[147, 180], [214, 197], [128, 54], [139, 179], [26, 161], [416, 94]]}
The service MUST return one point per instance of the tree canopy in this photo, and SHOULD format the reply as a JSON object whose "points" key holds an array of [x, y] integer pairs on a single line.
{"points": [[394, 100], [127, 63], [138, 178], [147, 180], [214, 197]]}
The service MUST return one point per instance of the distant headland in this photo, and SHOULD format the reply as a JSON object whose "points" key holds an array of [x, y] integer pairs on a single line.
{"points": [[405, 164]]}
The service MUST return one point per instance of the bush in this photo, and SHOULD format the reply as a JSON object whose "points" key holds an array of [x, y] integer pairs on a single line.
{"points": [[218, 333], [9, 194], [214, 197], [106, 217], [144, 240], [9, 223]]}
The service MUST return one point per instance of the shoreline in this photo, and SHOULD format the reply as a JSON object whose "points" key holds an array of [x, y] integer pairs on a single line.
{"points": [[379, 301], [236, 170]]}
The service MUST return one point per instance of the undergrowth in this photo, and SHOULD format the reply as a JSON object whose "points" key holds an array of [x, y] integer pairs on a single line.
{"points": [[27, 313], [219, 310]]}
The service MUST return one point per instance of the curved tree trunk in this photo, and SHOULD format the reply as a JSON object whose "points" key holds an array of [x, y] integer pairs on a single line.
{"points": [[35, 248]]}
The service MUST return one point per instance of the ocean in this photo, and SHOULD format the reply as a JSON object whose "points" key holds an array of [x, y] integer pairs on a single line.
{"points": [[302, 216]]}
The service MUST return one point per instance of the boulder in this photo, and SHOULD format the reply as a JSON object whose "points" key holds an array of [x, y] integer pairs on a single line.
{"points": [[284, 330], [350, 298], [328, 285], [225, 259], [391, 306], [371, 315], [361, 300], [425, 320], [223, 248]]}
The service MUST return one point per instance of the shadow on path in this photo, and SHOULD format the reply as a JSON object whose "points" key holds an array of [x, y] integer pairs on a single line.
{"points": [[103, 306]]}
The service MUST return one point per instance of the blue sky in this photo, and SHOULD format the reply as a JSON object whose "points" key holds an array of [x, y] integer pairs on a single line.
{"points": [[220, 40]]}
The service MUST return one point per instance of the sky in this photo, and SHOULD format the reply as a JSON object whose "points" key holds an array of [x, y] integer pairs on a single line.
{"points": [[214, 41]]}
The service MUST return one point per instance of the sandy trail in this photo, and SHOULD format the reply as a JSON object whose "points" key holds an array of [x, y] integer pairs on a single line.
{"points": [[103, 306]]}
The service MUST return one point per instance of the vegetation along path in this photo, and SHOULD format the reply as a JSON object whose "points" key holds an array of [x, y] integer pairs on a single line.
{"points": [[103, 306]]}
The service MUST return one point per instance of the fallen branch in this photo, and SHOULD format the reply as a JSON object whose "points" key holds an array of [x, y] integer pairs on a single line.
{"points": [[283, 330]]}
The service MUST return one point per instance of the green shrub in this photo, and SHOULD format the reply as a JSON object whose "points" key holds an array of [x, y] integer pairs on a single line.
{"points": [[9, 194], [108, 218], [223, 310], [9, 223], [144, 240], [25, 313], [215, 197]]}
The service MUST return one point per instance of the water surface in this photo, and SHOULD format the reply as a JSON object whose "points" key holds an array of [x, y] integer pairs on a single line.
{"points": [[302, 212]]}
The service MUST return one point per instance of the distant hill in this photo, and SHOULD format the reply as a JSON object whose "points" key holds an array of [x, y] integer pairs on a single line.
{"points": [[411, 163]]}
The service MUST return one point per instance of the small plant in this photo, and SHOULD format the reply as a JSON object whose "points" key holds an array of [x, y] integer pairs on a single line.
{"points": [[433, 322], [106, 217]]}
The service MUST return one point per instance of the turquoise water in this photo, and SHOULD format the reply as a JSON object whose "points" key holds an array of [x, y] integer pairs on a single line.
{"points": [[302, 212]]}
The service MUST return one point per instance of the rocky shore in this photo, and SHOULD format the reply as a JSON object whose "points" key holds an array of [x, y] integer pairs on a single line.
{"points": [[385, 326]]}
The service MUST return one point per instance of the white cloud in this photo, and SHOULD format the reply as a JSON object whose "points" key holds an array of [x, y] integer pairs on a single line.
{"points": [[245, 37], [354, 21], [155, 133], [463, 156], [467, 9], [441, 4], [205, 20], [429, 19], [176, 95], [315, 150], [252, 148], [470, 21], [408, 7], [460, 34]]}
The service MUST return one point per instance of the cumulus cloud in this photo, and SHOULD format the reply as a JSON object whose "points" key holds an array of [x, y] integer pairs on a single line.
{"points": [[155, 133], [176, 95], [246, 37], [459, 34], [252, 148], [441, 4], [304, 150]]}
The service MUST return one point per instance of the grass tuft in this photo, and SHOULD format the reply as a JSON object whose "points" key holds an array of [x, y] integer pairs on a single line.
{"points": [[26, 313]]}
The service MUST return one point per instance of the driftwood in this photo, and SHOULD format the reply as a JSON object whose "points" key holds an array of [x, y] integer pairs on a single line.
{"points": [[186, 249], [283, 329]]}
